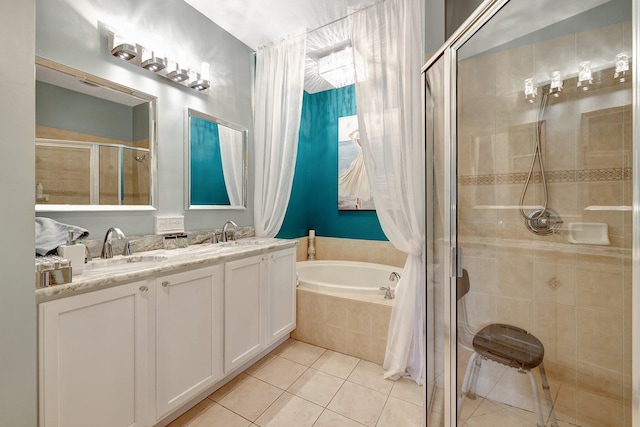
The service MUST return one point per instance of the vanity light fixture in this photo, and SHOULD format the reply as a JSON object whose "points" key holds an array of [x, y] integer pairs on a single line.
{"points": [[139, 55], [200, 81], [530, 91], [124, 51], [555, 87], [622, 66], [585, 77], [152, 62], [176, 73], [123, 47], [200, 84]]}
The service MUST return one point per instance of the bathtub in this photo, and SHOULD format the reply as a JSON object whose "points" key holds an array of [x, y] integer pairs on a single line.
{"points": [[350, 277], [340, 307]]}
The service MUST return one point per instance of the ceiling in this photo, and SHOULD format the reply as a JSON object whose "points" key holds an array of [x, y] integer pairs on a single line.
{"points": [[260, 22]]}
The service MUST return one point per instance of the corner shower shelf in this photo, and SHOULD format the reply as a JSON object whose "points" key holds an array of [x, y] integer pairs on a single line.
{"points": [[589, 233]]}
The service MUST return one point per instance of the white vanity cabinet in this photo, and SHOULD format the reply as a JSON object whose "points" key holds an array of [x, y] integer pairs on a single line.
{"points": [[259, 304], [133, 354], [93, 355], [244, 305], [188, 333], [281, 294]]}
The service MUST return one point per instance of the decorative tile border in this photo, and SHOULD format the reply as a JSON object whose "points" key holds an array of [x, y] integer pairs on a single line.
{"points": [[584, 175]]}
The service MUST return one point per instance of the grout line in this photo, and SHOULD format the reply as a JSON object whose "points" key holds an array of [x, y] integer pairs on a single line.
{"points": [[282, 392], [383, 406]]}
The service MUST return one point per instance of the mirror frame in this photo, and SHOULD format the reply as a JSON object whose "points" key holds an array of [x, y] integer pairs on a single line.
{"points": [[153, 142], [187, 160]]}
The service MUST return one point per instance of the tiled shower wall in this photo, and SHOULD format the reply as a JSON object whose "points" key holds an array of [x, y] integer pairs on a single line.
{"points": [[73, 186], [575, 298]]}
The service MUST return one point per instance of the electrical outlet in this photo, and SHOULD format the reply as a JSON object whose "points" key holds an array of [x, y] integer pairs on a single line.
{"points": [[169, 224]]}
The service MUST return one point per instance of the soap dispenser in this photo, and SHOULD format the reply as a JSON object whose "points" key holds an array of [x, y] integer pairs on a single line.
{"points": [[74, 252]]}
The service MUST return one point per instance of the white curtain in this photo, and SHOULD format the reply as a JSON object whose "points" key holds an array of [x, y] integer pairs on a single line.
{"points": [[231, 152], [388, 53], [278, 106]]}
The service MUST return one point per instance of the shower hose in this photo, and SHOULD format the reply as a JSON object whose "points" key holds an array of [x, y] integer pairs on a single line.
{"points": [[537, 154]]}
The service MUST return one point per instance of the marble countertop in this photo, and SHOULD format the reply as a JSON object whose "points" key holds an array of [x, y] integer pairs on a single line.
{"points": [[102, 273]]}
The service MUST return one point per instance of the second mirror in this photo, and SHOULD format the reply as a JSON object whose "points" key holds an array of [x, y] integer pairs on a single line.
{"points": [[216, 156]]}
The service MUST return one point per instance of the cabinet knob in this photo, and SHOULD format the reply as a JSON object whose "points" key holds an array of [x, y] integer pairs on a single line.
{"points": [[166, 284], [144, 289]]}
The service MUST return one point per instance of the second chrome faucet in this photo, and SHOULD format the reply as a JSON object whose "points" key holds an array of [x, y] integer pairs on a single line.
{"points": [[107, 249], [225, 230]]}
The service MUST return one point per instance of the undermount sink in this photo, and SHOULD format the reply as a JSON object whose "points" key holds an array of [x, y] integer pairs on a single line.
{"points": [[124, 262]]}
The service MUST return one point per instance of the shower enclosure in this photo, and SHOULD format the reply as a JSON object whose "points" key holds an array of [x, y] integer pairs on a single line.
{"points": [[530, 113]]}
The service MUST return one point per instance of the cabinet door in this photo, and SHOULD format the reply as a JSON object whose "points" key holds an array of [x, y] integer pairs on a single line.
{"points": [[281, 294], [244, 310], [93, 356], [188, 336]]}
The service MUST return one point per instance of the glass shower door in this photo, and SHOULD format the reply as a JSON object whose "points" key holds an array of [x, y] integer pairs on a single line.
{"points": [[437, 243], [543, 141]]}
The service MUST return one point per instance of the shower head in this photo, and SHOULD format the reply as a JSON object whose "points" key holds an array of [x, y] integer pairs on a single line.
{"points": [[142, 160]]}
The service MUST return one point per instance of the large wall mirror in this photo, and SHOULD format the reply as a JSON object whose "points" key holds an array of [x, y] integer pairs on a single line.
{"points": [[95, 142], [216, 163]]}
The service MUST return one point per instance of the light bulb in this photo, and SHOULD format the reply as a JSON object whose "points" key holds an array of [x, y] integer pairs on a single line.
{"points": [[556, 84], [585, 77], [530, 91], [622, 66]]}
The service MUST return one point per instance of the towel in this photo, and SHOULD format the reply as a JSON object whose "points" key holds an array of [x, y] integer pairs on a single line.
{"points": [[50, 234]]}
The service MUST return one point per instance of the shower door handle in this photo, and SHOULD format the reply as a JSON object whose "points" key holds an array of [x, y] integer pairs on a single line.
{"points": [[456, 261]]}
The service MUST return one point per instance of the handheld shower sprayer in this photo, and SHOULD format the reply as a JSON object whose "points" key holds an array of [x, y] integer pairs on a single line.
{"points": [[541, 221]]}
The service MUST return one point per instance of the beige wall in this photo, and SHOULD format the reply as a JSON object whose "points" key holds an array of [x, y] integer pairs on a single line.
{"points": [[576, 298], [343, 324], [375, 251]]}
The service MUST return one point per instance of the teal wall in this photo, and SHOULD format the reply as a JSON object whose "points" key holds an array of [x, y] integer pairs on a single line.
{"points": [[314, 196]]}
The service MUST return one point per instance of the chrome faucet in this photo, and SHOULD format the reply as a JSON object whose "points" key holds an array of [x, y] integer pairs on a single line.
{"points": [[107, 250], [388, 293], [225, 236]]}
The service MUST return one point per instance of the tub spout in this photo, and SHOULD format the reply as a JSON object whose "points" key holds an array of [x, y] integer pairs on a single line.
{"points": [[394, 276]]}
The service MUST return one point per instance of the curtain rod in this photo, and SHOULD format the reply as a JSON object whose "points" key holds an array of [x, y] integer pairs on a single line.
{"points": [[344, 17], [339, 19]]}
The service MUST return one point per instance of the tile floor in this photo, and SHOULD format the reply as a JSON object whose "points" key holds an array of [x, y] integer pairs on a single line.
{"points": [[302, 385], [485, 413]]}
